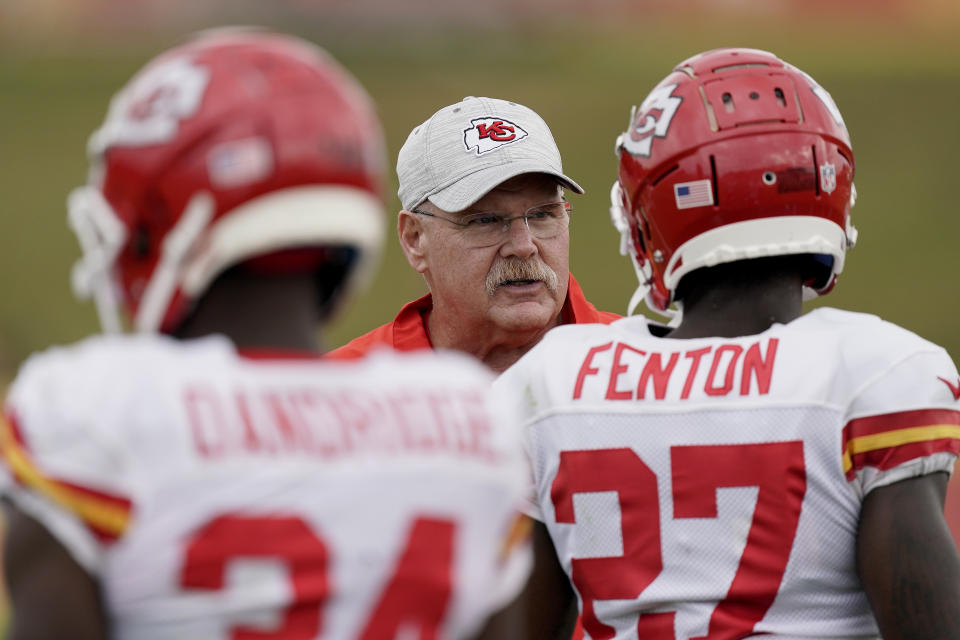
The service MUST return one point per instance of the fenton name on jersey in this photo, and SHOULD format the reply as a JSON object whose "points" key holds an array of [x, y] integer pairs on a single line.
{"points": [[617, 371], [334, 423]]}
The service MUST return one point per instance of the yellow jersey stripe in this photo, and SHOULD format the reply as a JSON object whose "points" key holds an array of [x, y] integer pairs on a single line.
{"points": [[106, 515], [895, 438]]}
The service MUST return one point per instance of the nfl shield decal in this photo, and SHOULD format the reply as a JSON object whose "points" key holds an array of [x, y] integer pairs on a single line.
{"points": [[828, 177]]}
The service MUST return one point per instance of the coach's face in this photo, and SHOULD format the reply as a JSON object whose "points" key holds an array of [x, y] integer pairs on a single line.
{"points": [[516, 285]]}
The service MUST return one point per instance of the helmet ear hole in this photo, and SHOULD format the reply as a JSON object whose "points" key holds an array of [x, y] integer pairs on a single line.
{"points": [[140, 243], [843, 154], [779, 95], [663, 175]]}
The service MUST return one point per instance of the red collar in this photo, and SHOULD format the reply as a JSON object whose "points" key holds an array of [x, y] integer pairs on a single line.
{"points": [[259, 353]]}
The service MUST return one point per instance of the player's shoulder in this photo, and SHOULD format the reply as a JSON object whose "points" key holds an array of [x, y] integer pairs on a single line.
{"points": [[103, 356], [867, 336], [103, 366], [865, 351]]}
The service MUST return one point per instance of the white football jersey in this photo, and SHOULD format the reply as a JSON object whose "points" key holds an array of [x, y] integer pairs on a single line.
{"points": [[216, 494], [711, 488]]}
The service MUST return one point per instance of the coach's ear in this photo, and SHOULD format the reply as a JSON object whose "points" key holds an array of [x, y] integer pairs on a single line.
{"points": [[413, 241]]}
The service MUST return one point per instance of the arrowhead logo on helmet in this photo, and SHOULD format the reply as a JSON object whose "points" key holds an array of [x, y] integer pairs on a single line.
{"points": [[149, 111], [652, 120]]}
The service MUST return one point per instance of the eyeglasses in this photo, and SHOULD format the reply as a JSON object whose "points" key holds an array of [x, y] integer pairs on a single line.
{"points": [[488, 228]]}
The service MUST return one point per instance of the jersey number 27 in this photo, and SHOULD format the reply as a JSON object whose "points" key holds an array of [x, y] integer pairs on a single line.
{"points": [[697, 471]]}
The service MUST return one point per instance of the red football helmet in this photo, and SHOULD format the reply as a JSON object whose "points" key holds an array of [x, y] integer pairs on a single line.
{"points": [[238, 145], [734, 155]]}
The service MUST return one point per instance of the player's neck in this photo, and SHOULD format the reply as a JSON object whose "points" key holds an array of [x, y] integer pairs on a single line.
{"points": [[258, 312], [739, 300]]}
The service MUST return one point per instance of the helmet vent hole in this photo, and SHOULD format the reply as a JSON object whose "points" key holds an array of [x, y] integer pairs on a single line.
{"points": [[844, 155], [141, 242], [781, 99], [769, 178], [816, 167], [754, 95], [727, 102], [713, 181], [663, 175]]}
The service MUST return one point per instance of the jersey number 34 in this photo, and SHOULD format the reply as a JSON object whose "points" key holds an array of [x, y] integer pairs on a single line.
{"points": [[417, 593]]}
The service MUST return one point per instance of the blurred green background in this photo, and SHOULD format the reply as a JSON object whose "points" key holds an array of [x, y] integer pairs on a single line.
{"points": [[893, 68]]}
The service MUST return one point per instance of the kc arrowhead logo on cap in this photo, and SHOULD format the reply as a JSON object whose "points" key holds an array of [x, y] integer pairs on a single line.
{"points": [[490, 133], [460, 153]]}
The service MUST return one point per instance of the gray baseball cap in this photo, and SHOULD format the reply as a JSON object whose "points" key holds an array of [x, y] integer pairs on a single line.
{"points": [[466, 149]]}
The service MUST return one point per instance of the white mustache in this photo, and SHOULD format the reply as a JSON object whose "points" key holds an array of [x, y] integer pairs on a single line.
{"points": [[514, 268]]}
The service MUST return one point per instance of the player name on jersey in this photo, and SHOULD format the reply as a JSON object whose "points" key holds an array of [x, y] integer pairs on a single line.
{"points": [[631, 373], [334, 423]]}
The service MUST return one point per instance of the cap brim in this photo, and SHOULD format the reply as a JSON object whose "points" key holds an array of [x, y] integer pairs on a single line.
{"points": [[471, 188]]}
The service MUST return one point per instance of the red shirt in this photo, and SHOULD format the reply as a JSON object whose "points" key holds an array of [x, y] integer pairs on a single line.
{"points": [[408, 331]]}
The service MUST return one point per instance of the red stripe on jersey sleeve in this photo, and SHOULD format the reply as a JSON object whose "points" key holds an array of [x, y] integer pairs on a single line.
{"points": [[895, 421], [890, 457], [105, 514], [888, 440], [14, 425]]}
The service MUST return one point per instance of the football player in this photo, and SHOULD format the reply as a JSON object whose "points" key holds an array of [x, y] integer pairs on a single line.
{"points": [[209, 477], [747, 469]]}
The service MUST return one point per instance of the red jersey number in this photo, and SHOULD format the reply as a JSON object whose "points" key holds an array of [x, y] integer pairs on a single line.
{"points": [[697, 471], [416, 595]]}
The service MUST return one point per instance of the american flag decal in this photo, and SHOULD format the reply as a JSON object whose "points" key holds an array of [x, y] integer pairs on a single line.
{"points": [[240, 162], [698, 193]]}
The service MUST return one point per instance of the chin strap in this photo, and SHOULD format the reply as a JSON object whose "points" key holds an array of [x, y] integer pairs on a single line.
{"points": [[638, 296], [851, 230], [675, 315]]}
